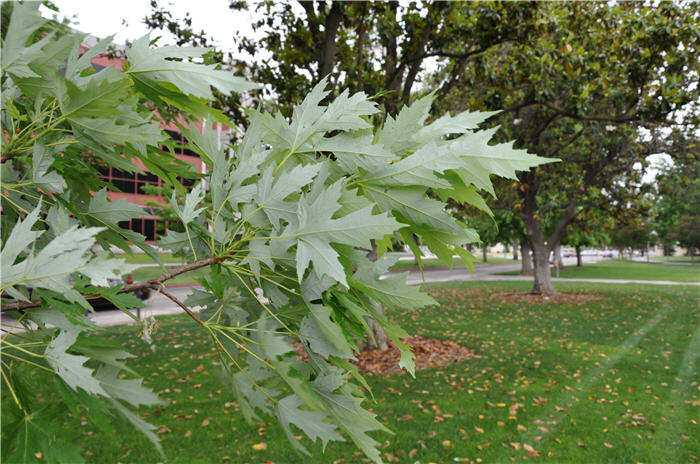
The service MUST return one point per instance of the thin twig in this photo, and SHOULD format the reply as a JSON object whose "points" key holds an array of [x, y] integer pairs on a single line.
{"points": [[180, 304], [155, 283]]}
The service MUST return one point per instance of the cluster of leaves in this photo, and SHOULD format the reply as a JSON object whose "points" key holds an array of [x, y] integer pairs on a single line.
{"points": [[294, 209]]}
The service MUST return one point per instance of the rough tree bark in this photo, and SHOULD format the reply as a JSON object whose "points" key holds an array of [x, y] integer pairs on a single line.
{"points": [[515, 251], [484, 253]]}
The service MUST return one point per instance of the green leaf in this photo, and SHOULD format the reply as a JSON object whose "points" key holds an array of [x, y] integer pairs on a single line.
{"points": [[317, 229], [348, 414], [391, 291], [70, 367], [154, 65], [129, 390], [312, 423], [16, 55], [145, 428], [187, 213]]}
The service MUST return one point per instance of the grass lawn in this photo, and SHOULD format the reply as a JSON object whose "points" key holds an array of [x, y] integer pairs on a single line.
{"points": [[434, 262], [610, 380], [142, 258], [619, 269], [676, 259]]}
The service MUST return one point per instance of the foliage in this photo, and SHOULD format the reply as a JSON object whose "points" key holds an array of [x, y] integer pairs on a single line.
{"points": [[379, 48], [535, 360], [678, 197], [283, 240], [587, 77]]}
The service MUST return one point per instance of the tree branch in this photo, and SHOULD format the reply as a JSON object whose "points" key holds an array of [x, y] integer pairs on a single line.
{"points": [[180, 304], [7, 157], [560, 228], [155, 283]]}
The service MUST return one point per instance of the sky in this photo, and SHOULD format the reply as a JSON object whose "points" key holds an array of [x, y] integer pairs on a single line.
{"points": [[125, 18]]}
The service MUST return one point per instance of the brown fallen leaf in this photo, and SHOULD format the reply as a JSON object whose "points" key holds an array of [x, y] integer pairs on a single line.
{"points": [[479, 429], [260, 446], [581, 443], [515, 445], [206, 422], [447, 443], [188, 434], [608, 445], [412, 452], [529, 448]]}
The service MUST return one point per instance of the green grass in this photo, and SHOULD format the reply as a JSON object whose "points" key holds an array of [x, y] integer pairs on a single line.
{"points": [[633, 270], [613, 380], [436, 263], [142, 258], [676, 259]]}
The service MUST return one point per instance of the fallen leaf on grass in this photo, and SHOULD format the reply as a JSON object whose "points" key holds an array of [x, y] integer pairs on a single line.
{"points": [[479, 429], [608, 445], [260, 446], [188, 434], [412, 452], [206, 421]]}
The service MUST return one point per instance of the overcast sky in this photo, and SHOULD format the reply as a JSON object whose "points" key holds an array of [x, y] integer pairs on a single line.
{"points": [[125, 19]]}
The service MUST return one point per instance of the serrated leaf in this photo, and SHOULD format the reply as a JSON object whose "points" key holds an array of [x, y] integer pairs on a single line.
{"points": [[188, 212], [145, 428], [410, 120], [312, 423], [70, 367], [41, 163], [348, 413], [153, 64], [20, 238], [317, 229], [129, 390], [16, 55], [391, 291], [112, 212]]}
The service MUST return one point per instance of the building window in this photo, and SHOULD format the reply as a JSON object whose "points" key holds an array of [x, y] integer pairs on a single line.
{"points": [[144, 226]]}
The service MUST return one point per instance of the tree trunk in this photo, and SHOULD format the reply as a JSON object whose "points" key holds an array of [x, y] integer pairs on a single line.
{"points": [[526, 265], [326, 61], [484, 252], [380, 341], [579, 261], [515, 251], [543, 276]]}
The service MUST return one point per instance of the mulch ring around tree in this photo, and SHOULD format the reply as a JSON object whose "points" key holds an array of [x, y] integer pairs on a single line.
{"points": [[429, 353], [570, 298]]}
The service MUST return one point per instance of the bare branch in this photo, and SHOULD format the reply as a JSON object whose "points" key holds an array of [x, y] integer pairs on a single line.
{"points": [[180, 304]]}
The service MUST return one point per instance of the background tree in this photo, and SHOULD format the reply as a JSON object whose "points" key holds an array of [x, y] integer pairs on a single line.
{"points": [[678, 196], [588, 76]]}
